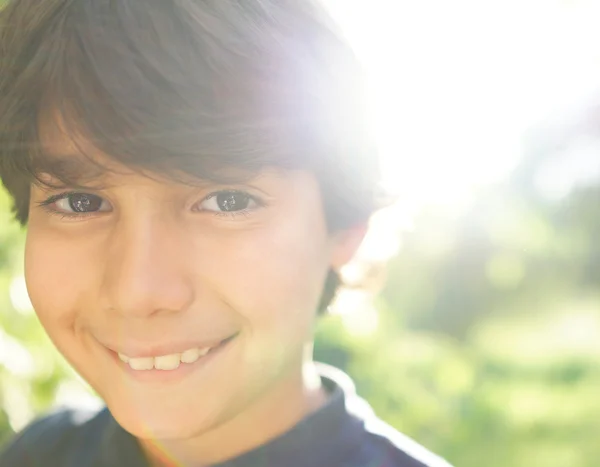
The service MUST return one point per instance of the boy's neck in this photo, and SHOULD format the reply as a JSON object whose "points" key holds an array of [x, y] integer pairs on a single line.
{"points": [[298, 395]]}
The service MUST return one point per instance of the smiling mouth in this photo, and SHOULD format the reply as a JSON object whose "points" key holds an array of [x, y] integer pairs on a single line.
{"points": [[171, 361]]}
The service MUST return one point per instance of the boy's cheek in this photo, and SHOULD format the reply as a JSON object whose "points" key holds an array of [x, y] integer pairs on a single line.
{"points": [[282, 266], [53, 282], [52, 272]]}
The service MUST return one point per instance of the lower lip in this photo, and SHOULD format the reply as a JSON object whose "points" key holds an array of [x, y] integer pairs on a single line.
{"points": [[184, 369]]}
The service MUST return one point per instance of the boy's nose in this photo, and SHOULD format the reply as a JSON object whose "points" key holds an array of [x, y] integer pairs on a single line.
{"points": [[145, 270]]}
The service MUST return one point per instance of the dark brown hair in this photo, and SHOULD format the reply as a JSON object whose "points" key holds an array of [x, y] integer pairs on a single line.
{"points": [[187, 87]]}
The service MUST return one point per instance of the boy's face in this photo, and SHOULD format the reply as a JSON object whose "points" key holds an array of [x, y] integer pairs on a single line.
{"points": [[151, 267]]}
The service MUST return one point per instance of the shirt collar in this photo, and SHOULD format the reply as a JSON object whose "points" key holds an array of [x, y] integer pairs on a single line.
{"points": [[319, 439]]}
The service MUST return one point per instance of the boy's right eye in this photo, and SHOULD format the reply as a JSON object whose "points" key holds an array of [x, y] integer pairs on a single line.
{"points": [[74, 204], [81, 202]]}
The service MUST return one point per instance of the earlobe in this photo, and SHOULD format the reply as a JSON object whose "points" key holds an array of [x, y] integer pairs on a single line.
{"points": [[345, 245]]}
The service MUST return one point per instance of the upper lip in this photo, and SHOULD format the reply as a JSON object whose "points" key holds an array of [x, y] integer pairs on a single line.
{"points": [[154, 350]]}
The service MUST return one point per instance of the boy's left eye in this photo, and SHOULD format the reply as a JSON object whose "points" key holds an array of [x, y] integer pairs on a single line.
{"points": [[78, 203], [228, 201]]}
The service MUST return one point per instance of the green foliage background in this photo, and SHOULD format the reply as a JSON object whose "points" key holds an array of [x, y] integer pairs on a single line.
{"points": [[489, 341]]}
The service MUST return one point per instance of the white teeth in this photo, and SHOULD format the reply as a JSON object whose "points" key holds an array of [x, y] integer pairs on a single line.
{"points": [[146, 363], [167, 362], [190, 355]]}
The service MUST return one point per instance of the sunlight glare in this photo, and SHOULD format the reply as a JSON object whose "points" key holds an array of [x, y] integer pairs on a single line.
{"points": [[454, 85]]}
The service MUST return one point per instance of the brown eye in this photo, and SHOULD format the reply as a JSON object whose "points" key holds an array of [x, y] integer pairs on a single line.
{"points": [[229, 201], [80, 203], [84, 203], [232, 201]]}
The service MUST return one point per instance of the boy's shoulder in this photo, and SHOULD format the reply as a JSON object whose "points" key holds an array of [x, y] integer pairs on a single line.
{"points": [[379, 444], [45, 438], [394, 448], [66, 437]]}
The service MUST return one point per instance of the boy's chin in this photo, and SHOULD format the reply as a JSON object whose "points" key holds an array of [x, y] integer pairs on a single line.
{"points": [[164, 425]]}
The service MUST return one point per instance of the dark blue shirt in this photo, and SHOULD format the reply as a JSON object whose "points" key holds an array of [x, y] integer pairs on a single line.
{"points": [[343, 433]]}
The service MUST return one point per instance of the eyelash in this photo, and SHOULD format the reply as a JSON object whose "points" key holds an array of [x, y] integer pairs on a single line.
{"points": [[47, 205]]}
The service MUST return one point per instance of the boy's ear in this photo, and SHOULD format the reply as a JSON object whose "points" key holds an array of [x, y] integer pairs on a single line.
{"points": [[345, 245]]}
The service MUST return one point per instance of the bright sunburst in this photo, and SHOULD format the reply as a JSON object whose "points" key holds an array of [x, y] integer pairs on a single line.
{"points": [[455, 84]]}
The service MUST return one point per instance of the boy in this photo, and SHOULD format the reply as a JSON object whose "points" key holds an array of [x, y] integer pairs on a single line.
{"points": [[193, 174]]}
